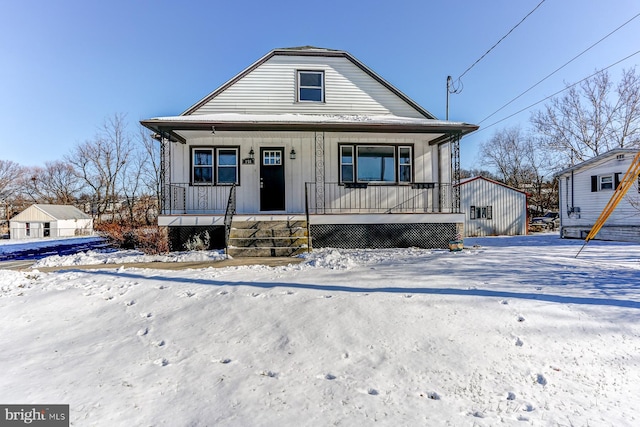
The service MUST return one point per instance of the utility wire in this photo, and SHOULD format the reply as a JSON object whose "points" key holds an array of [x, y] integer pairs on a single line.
{"points": [[498, 42], [560, 91], [558, 69]]}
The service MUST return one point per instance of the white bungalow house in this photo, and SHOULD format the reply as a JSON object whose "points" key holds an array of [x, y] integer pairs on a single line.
{"points": [[586, 188], [492, 208], [309, 142], [41, 220]]}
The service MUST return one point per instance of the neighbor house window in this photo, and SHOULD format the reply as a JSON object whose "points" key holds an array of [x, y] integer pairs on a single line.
{"points": [[481, 212], [311, 86], [376, 163], [218, 165], [605, 182]]}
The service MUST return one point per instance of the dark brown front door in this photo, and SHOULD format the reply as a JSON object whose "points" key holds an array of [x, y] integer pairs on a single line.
{"points": [[272, 179]]}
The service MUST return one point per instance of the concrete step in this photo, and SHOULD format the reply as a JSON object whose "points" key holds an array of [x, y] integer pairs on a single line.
{"points": [[267, 242], [265, 252], [260, 233], [269, 225]]}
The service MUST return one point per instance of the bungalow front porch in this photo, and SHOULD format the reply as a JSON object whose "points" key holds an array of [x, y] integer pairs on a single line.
{"points": [[335, 215]]}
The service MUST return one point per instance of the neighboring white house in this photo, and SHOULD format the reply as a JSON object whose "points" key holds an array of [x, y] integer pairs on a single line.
{"points": [[312, 138], [50, 221], [586, 188], [492, 208]]}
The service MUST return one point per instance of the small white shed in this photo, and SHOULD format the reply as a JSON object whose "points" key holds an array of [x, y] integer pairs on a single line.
{"points": [[492, 208], [50, 221]]}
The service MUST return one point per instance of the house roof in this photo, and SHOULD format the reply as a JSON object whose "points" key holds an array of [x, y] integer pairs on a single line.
{"points": [[502, 184], [174, 127], [598, 159], [310, 51], [55, 212]]}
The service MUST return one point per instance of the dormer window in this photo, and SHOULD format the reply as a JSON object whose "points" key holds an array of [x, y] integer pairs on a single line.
{"points": [[311, 86]]}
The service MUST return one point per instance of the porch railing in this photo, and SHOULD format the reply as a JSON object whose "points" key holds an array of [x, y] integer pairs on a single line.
{"points": [[183, 198], [337, 198], [228, 217]]}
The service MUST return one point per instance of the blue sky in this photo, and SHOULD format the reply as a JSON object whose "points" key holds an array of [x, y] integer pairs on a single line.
{"points": [[66, 65]]}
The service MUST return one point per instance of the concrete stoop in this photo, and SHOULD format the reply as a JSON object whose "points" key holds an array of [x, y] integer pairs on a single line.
{"points": [[267, 238]]}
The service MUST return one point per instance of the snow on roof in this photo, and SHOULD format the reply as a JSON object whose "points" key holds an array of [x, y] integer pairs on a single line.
{"points": [[305, 118], [59, 212], [599, 158]]}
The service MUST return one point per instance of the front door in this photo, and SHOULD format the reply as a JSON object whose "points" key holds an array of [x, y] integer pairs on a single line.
{"points": [[272, 179]]}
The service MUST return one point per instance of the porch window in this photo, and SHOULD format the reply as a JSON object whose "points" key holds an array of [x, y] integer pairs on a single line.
{"points": [[218, 165], [404, 164], [376, 163], [311, 86], [227, 165], [203, 166], [346, 163]]}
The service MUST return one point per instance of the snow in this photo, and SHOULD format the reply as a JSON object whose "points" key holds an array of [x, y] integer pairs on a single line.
{"points": [[304, 118], [18, 245], [509, 331]]}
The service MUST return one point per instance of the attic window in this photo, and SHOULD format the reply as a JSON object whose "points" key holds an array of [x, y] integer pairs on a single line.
{"points": [[311, 86]]}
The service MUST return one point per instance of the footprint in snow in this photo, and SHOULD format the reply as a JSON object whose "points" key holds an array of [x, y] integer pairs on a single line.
{"points": [[329, 377], [520, 319], [160, 343], [161, 362], [145, 315], [269, 374], [372, 391], [519, 342], [540, 379], [143, 332], [130, 303], [511, 396]]}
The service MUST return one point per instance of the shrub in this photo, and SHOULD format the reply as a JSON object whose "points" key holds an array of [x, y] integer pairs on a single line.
{"points": [[199, 242], [151, 240]]}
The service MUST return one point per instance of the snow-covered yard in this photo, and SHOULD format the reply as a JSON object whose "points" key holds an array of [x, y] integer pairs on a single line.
{"points": [[513, 331]]}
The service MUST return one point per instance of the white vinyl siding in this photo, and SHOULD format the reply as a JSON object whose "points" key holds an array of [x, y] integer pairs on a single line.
{"points": [[301, 170], [576, 192], [492, 209], [271, 89]]}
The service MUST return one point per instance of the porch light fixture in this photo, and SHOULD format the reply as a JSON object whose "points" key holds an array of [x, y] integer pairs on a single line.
{"points": [[292, 154], [251, 154], [213, 130]]}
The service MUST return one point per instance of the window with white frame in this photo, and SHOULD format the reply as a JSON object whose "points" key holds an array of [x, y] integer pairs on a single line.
{"points": [[481, 212], [217, 165], [606, 182], [376, 163], [311, 86]]}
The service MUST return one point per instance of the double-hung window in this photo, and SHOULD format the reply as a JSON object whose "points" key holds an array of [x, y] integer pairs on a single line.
{"points": [[217, 165], [310, 86], [376, 164], [481, 212]]}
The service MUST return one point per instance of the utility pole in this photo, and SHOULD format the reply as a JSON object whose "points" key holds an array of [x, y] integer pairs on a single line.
{"points": [[448, 92]]}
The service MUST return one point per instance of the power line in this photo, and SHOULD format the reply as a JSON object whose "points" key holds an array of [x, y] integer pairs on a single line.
{"points": [[498, 42], [560, 91], [558, 69]]}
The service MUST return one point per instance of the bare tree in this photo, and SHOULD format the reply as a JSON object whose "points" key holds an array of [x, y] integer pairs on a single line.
{"points": [[10, 173], [591, 118], [509, 152], [521, 164], [100, 163], [56, 183]]}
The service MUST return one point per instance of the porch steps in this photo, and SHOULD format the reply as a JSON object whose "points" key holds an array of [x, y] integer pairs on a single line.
{"points": [[267, 238]]}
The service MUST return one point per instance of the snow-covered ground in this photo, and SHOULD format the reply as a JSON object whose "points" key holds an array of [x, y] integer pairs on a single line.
{"points": [[511, 331]]}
